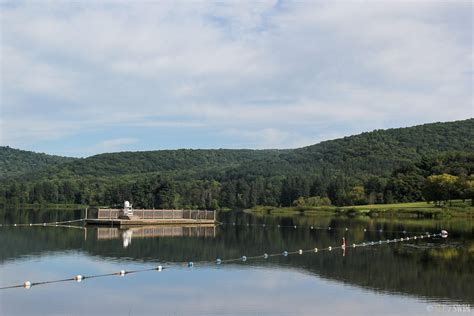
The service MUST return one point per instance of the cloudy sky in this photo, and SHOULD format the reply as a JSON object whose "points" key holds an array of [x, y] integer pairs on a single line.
{"points": [[81, 78]]}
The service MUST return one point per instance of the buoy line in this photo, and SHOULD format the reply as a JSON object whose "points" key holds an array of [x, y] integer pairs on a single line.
{"points": [[329, 228], [244, 258], [57, 223]]}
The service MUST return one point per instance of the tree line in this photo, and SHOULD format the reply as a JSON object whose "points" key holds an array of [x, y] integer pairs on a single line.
{"points": [[431, 162], [439, 180]]}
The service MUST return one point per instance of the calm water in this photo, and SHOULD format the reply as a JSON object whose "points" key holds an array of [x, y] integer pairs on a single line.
{"points": [[427, 277]]}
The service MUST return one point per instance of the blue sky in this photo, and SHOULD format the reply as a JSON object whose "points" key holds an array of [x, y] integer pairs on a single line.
{"points": [[81, 78]]}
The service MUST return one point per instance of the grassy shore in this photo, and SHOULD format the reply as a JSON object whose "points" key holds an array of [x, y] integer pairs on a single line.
{"points": [[418, 209]]}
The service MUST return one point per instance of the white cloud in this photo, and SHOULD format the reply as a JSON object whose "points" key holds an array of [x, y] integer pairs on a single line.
{"points": [[21, 73], [112, 144], [294, 70], [269, 138]]}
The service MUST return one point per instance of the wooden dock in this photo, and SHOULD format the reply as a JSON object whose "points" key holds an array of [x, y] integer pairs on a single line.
{"points": [[110, 217]]}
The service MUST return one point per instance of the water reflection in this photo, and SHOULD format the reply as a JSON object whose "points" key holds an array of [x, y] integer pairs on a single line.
{"points": [[126, 234], [439, 270]]}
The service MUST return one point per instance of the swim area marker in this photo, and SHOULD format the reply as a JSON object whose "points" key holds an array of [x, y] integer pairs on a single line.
{"points": [[79, 278]]}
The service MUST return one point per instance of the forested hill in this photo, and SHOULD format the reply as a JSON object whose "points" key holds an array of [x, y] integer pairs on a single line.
{"points": [[380, 166], [174, 163], [372, 153], [15, 162]]}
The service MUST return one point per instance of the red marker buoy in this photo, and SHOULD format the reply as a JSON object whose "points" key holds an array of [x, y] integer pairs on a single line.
{"points": [[343, 246]]}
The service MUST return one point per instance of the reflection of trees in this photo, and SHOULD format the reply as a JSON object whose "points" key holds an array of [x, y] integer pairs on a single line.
{"points": [[436, 271]]}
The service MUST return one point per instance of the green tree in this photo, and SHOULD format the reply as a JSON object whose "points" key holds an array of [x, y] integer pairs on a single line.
{"points": [[440, 188], [357, 195]]}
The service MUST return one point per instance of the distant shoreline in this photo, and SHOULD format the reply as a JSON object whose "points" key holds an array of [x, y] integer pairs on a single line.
{"points": [[457, 208]]}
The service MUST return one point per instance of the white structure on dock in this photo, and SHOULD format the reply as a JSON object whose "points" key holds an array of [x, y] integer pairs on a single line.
{"points": [[127, 211]]}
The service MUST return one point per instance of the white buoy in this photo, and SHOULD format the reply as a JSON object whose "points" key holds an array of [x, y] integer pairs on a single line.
{"points": [[295, 226], [14, 225], [330, 248], [78, 278], [218, 261], [315, 249], [311, 227], [265, 256], [285, 253], [365, 229], [353, 245], [159, 268], [27, 284], [244, 258], [444, 234], [300, 251], [122, 272]]}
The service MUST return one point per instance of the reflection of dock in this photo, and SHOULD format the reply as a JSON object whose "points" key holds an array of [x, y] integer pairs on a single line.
{"points": [[104, 233], [111, 217]]}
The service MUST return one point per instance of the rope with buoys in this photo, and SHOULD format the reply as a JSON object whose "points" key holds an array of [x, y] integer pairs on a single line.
{"points": [[57, 223], [312, 227], [244, 258]]}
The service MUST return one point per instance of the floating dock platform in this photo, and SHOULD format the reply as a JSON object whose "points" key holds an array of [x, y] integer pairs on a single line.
{"points": [[111, 217]]}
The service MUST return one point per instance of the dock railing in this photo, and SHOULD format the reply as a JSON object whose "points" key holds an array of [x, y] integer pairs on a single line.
{"points": [[104, 213]]}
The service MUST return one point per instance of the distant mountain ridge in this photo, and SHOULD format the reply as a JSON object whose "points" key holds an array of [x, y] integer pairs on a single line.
{"points": [[382, 166], [377, 152], [16, 162]]}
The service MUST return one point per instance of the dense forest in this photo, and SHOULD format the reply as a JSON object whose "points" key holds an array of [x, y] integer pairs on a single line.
{"points": [[14, 162], [433, 162]]}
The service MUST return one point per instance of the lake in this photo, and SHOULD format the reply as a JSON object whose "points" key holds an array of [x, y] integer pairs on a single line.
{"points": [[430, 276]]}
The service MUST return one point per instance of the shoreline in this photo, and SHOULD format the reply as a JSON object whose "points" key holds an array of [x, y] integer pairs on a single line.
{"points": [[411, 209]]}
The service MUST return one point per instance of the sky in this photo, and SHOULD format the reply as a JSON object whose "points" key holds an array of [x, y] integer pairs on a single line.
{"points": [[79, 78]]}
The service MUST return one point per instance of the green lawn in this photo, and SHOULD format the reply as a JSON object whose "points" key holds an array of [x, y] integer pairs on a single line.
{"points": [[453, 208], [391, 206], [453, 203]]}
